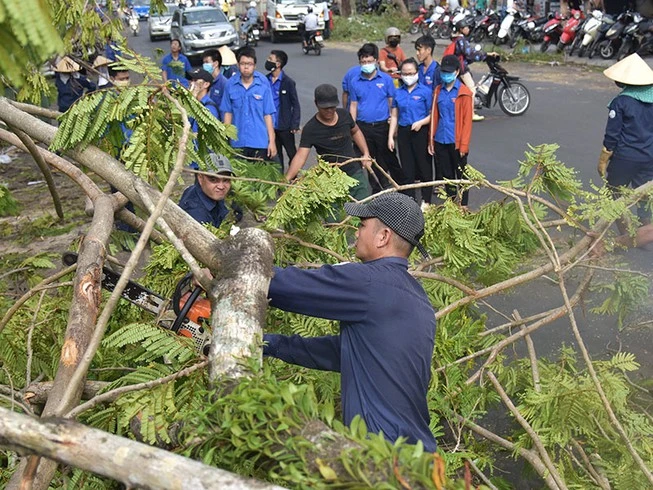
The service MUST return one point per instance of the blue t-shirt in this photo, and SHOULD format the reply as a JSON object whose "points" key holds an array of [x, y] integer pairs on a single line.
{"points": [[413, 106], [249, 106], [172, 75], [354, 71], [276, 88], [446, 130], [217, 91], [384, 348], [372, 96], [430, 77], [201, 207]]}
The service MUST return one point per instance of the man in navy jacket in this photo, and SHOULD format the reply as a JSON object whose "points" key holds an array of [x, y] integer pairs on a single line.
{"points": [[387, 324], [286, 101]]}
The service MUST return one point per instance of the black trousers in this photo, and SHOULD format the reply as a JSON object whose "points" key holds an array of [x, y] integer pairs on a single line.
{"points": [[416, 162], [451, 165], [376, 137], [285, 140]]}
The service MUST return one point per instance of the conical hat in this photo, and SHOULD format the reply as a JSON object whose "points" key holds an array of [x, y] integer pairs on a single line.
{"points": [[101, 61], [66, 65], [632, 70], [228, 56]]}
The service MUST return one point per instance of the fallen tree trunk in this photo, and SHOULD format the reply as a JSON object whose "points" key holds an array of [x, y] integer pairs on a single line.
{"points": [[135, 464], [37, 393]]}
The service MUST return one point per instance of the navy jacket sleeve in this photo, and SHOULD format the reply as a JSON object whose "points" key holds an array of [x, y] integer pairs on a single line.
{"points": [[614, 125], [334, 292], [315, 353], [294, 102]]}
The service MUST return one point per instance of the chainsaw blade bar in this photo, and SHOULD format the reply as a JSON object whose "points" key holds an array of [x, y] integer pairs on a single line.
{"points": [[133, 292]]}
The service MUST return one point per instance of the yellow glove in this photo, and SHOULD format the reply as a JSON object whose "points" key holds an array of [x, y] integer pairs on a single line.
{"points": [[604, 159]]}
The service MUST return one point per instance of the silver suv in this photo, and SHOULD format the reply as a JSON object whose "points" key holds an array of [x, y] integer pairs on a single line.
{"points": [[201, 28]]}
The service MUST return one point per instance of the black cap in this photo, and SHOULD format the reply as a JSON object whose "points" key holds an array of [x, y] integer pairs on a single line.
{"points": [[450, 63], [326, 96], [199, 74], [398, 212]]}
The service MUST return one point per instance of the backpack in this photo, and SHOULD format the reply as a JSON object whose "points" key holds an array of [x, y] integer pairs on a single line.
{"points": [[451, 49]]}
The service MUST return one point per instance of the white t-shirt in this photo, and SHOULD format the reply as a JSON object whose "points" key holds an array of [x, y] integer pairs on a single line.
{"points": [[310, 22]]}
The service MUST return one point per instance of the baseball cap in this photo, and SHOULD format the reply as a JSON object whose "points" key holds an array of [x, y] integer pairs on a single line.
{"points": [[199, 74], [450, 63], [326, 96], [398, 212], [219, 164]]}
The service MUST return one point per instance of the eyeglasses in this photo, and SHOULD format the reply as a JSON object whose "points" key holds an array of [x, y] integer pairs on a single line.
{"points": [[246, 63]]}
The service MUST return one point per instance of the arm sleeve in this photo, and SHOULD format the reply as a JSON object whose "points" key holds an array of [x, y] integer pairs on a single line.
{"points": [[268, 108], [213, 109], [339, 292], [352, 93], [225, 104], [306, 138], [315, 353], [614, 126], [90, 86], [187, 65], [296, 109]]}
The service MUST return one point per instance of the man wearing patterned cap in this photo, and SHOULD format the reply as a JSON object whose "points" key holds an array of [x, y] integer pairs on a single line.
{"points": [[205, 200], [627, 153], [387, 324]]}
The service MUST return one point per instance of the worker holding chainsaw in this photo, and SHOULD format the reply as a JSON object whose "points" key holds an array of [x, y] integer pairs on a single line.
{"points": [[205, 200], [387, 324]]}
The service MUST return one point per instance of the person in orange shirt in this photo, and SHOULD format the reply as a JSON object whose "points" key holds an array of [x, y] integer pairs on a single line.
{"points": [[392, 56], [450, 130]]}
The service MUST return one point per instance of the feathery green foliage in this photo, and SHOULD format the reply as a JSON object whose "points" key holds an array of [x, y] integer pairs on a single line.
{"points": [[8, 205]]}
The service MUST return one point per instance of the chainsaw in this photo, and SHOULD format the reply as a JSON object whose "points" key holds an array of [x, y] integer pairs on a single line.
{"points": [[188, 317]]}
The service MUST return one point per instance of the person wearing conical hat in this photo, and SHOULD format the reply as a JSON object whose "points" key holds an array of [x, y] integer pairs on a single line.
{"points": [[229, 68], [101, 64], [627, 154], [70, 83]]}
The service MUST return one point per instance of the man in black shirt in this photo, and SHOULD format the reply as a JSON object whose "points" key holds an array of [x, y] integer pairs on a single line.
{"points": [[332, 132]]}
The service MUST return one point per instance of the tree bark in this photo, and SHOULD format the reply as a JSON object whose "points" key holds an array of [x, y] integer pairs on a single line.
{"points": [[240, 302], [134, 464], [81, 322], [37, 393]]}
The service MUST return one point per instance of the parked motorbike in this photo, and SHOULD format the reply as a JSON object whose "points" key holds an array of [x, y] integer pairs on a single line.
{"points": [[606, 23], [588, 33], [505, 34], [442, 27], [552, 31], [419, 24], [497, 86], [314, 43], [570, 29], [631, 37], [486, 27], [646, 41], [609, 47], [134, 23], [529, 28]]}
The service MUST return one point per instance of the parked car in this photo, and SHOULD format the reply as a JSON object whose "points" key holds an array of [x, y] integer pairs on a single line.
{"points": [[201, 28], [159, 23], [142, 8]]}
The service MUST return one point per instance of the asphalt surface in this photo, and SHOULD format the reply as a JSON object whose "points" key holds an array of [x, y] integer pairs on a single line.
{"points": [[568, 107]]}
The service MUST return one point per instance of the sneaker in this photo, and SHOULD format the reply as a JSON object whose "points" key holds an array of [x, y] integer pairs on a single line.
{"points": [[477, 117]]}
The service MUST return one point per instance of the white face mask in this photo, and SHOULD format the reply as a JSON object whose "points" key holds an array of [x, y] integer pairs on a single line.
{"points": [[410, 80]]}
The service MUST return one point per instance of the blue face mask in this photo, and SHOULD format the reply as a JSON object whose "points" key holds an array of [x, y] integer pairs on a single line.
{"points": [[208, 67], [368, 68], [447, 77]]}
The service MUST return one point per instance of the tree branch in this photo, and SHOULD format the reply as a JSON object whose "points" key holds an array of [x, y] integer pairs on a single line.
{"points": [[135, 464]]}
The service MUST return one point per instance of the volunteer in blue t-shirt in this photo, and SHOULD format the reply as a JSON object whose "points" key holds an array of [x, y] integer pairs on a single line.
{"points": [[248, 104], [410, 118], [371, 93], [175, 65]]}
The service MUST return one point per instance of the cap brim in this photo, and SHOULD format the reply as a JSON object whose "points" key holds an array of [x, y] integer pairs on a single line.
{"points": [[327, 103], [359, 210]]}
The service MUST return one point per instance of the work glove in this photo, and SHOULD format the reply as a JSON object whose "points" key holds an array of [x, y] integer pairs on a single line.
{"points": [[604, 159]]}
